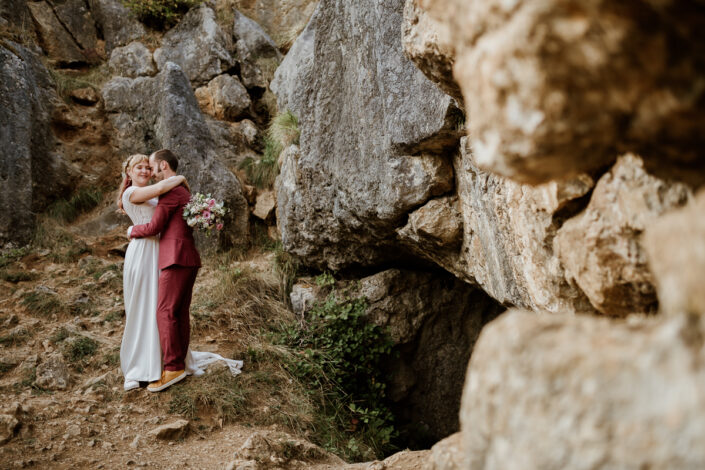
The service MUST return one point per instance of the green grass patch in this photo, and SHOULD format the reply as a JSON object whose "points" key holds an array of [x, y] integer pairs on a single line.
{"points": [[68, 210], [263, 171], [115, 315], [60, 335], [79, 351], [15, 337], [42, 303], [219, 392], [12, 255], [17, 276], [63, 246], [284, 129]]}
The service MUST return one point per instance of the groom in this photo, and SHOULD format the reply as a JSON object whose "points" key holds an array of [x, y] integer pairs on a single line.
{"points": [[178, 266]]}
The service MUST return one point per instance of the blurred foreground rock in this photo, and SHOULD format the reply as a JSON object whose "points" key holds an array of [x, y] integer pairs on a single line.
{"points": [[675, 244], [553, 392], [601, 248], [555, 88]]}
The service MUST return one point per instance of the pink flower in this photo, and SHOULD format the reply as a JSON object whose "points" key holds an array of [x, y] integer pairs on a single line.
{"points": [[219, 227], [211, 202], [206, 214]]}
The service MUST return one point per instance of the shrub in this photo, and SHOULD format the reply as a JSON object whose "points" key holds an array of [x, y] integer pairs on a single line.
{"points": [[80, 349], [160, 14], [339, 355]]}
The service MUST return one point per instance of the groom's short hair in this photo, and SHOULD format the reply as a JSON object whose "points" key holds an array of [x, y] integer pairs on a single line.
{"points": [[168, 156]]}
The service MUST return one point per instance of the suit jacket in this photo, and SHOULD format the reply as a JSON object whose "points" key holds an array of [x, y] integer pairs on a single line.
{"points": [[176, 245]]}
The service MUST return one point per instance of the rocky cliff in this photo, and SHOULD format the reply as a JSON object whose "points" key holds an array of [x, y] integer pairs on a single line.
{"points": [[451, 159]]}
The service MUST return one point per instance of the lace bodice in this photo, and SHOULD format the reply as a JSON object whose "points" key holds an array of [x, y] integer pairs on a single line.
{"points": [[139, 213]]}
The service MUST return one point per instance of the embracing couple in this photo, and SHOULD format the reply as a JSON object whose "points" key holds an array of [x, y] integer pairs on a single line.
{"points": [[161, 264]]}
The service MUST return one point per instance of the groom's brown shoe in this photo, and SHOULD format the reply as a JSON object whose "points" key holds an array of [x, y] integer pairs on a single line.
{"points": [[169, 378]]}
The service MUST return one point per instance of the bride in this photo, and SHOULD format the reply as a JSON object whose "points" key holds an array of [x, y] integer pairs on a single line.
{"points": [[140, 351]]}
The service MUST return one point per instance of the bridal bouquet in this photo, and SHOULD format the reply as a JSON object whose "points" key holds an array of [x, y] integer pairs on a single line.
{"points": [[204, 213]]}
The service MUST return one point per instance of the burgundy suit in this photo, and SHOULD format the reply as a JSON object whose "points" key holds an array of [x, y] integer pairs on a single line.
{"points": [[178, 266]]}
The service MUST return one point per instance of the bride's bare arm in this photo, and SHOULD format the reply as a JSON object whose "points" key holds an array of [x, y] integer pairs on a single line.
{"points": [[146, 193]]}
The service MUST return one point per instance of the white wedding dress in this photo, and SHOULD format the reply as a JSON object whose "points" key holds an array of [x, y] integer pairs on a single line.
{"points": [[140, 352]]}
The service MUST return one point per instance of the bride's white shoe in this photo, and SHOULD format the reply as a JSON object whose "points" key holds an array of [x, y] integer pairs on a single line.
{"points": [[131, 385]]}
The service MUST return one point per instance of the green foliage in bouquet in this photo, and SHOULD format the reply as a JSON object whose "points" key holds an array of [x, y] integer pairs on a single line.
{"points": [[160, 14]]}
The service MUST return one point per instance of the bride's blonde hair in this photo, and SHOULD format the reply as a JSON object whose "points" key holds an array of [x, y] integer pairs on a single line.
{"points": [[127, 165]]}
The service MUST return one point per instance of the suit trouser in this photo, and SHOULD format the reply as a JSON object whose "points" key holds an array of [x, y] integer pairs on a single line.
{"points": [[173, 312]]}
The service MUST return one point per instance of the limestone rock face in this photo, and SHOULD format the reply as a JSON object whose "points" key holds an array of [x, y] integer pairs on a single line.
{"points": [[133, 60], [233, 141], [434, 320], [78, 20], [675, 244], [447, 454], [31, 172], [296, 67], [581, 392], [601, 250], [367, 143], [118, 25], [552, 87], [149, 113], [427, 43], [198, 45], [55, 40], [505, 245], [282, 20], [224, 98], [256, 52]]}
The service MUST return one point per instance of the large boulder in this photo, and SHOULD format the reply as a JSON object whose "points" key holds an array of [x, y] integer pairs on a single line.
{"points": [[601, 249], [54, 38], [224, 98], [31, 172], [282, 20], [555, 88], [78, 20], [149, 113], [582, 392], [427, 43], [133, 60], [256, 52], [198, 45], [116, 23], [504, 236], [372, 127], [675, 244]]}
